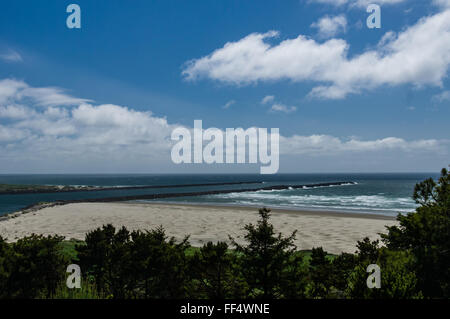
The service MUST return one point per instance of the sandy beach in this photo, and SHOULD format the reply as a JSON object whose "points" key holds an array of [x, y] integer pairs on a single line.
{"points": [[336, 232]]}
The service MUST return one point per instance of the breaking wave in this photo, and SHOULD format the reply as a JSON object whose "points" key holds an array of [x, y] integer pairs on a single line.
{"points": [[375, 203]]}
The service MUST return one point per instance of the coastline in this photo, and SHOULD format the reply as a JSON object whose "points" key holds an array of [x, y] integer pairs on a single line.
{"points": [[287, 210], [336, 232]]}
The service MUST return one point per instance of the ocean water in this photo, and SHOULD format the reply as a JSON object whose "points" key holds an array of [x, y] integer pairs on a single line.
{"points": [[387, 194]]}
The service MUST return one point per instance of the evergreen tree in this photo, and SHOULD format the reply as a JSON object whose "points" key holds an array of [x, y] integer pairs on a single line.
{"points": [[321, 272], [217, 272], [160, 265], [106, 257], [266, 258], [36, 267]]}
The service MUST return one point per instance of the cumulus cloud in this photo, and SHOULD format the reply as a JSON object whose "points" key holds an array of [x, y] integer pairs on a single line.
{"points": [[277, 106], [419, 55], [325, 144], [330, 26], [15, 111], [119, 138], [44, 124], [9, 89]]}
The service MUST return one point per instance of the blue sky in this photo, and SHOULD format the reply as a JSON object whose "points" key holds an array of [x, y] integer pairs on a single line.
{"points": [[136, 57]]}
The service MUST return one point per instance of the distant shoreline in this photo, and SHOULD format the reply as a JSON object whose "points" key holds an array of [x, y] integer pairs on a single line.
{"points": [[12, 189]]}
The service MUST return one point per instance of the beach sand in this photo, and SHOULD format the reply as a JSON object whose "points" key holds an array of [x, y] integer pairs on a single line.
{"points": [[334, 231]]}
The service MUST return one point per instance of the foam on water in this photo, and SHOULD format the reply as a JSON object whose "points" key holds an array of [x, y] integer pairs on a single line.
{"points": [[292, 199]]}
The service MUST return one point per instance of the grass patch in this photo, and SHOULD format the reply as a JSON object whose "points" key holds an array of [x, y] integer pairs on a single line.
{"points": [[68, 248]]}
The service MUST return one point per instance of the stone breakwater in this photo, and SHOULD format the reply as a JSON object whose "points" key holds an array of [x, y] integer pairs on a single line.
{"points": [[36, 189], [38, 206]]}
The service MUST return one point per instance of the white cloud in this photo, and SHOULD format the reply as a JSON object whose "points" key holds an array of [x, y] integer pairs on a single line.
{"points": [[11, 134], [50, 96], [278, 107], [268, 99], [387, 37], [9, 88], [419, 55], [442, 3], [443, 96], [15, 111], [11, 56], [228, 104], [327, 145], [66, 132], [330, 26], [47, 96], [113, 138]]}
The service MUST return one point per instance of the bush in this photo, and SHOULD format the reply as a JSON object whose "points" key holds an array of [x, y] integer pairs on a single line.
{"points": [[35, 267], [135, 265], [398, 279], [216, 273], [320, 269], [160, 265], [5, 267], [106, 258]]}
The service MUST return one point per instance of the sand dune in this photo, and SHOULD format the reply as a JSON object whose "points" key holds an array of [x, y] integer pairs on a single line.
{"points": [[336, 232]]}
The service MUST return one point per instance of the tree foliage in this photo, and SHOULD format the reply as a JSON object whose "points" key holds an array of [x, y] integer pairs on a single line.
{"points": [[266, 258], [426, 234], [216, 272], [32, 267]]}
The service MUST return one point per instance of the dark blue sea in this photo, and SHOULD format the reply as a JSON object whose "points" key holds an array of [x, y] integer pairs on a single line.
{"points": [[387, 194]]}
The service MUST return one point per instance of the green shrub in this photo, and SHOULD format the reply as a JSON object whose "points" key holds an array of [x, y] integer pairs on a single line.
{"points": [[217, 274]]}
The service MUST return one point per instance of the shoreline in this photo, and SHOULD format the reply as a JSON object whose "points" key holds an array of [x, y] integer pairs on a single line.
{"points": [[336, 232], [302, 211]]}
